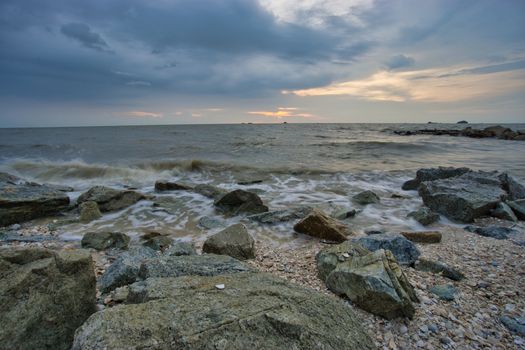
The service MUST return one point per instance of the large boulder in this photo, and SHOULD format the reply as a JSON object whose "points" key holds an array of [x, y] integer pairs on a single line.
{"points": [[438, 267], [497, 130], [504, 212], [328, 258], [21, 201], [89, 211], [366, 197], [493, 231], [405, 252], [518, 207], [279, 216], [110, 199], [422, 236], [105, 240], [162, 185], [234, 241], [44, 297], [180, 248], [375, 283], [241, 202], [463, 198], [514, 189], [424, 216], [253, 311], [319, 225], [431, 174]]}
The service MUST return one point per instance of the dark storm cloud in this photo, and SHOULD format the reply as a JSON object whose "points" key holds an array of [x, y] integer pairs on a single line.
{"points": [[83, 34]]}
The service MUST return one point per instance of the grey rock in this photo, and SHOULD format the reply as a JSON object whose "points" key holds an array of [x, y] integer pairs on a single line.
{"points": [[512, 186], [22, 201], [518, 207], [319, 225], [125, 269], [180, 248], [253, 311], [513, 325], [405, 252], [44, 297], [344, 214], [424, 216], [328, 258], [504, 212], [162, 185], [438, 267], [444, 291], [234, 241], [160, 242], [463, 198], [89, 211], [210, 223], [279, 216], [423, 236], [431, 174], [241, 202], [105, 240], [209, 191], [375, 283], [366, 197], [110, 199], [497, 232], [191, 265]]}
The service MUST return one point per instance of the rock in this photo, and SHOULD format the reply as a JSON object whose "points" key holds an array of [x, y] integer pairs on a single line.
{"points": [[89, 211], [405, 252], [437, 267], [424, 216], [278, 216], [444, 291], [503, 212], [240, 201], [61, 188], [234, 241], [125, 269], [159, 243], [180, 248], [344, 214], [366, 197], [374, 232], [44, 297], [375, 283], [513, 325], [22, 201], [497, 232], [209, 191], [497, 130], [162, 185], [254, 311], [105, 240], [518, 207], [423, 236], [319, 225], [431, 174], [328, 258], [514, 189], [191, 265], [463, 198], [462, 122], [210, 223], [109, 199]]}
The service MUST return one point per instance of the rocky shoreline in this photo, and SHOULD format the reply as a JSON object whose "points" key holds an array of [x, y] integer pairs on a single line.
{"points": [[446, 287], [497, 131]]}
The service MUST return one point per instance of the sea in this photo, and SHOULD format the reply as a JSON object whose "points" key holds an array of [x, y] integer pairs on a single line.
{"points": [[288, 165]]}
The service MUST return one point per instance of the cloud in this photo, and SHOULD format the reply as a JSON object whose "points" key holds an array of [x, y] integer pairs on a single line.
{"points": [[138, 83], [399, 61], [446, 84], [140, 114], [83, 34], [282, 112]]}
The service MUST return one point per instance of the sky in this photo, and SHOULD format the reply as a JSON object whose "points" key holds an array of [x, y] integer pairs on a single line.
{"points": [[121, 62]]}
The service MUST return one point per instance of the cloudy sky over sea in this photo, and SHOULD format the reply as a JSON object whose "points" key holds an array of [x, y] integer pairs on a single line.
{"points": [[100, 62]]}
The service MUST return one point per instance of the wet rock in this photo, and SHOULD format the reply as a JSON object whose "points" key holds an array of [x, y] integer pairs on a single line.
{"points": [[319, 225], [497, 130], [440, 268], [278, 216], [252, 311], [22, 201], [344, 214], [328, 258], [405, 252], [444, 291], [518, 207], [44, 297], [61, 188], [191, 265], [110, 199], [366, 197], [513, 325], [209, 191], [423, 236], [162, 185], [503, 212], [125, 269], [241, 202], [514, 189], [180, 248], [89, 211], [431, 174], [424, 216], [234, 241], [375, 283], [160, 242], [497, 232], [374, 232], [105, 240], [210, 223], [463, 198]]}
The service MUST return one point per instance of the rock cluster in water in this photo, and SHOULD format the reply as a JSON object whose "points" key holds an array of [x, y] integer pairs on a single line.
{"points": [[496, 131]]}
